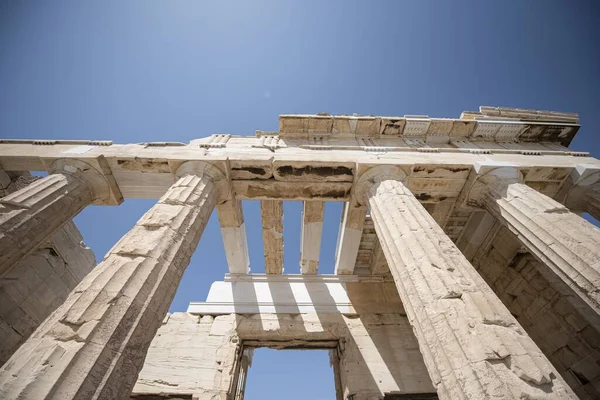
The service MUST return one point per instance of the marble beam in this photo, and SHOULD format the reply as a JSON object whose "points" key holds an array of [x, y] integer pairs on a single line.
{"points": [[472, 346], [310, 241], [233, 231], [565, 243], [263, 189], [93, 346], [581, 190], [5, 182], [30, 215], [443, 210], [272, 233], [378, 264], [351, 227]]}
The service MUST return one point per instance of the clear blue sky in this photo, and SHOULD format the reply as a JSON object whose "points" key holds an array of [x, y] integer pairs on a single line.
{"points": [[172, 71]]}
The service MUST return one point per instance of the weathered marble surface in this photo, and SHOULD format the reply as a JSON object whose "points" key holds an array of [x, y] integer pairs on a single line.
{"points": [[349, 236], [195, 355], [94, 345], [39, 284], [272, 233], [472, 346], [30, 215], [540, 304], [34, 287], [299, 294], [310, 239], [565, 243], [233, 231]]}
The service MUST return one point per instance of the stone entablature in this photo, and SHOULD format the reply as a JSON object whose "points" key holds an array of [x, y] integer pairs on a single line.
{"points": [[499, 125], [291, 173]]}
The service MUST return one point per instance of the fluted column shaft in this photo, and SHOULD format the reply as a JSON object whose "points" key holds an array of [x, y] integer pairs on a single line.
{"points": [[94, 345], [30, 215], [472, 346], [563, 241]]}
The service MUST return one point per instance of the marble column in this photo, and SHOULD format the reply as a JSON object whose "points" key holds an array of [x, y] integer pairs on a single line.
{"points": [[94, 345], [565, 243], [30, 215], [472, 346]]}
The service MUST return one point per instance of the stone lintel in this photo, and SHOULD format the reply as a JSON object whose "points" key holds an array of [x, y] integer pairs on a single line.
{"points": [[299, 294], [272, 189]]}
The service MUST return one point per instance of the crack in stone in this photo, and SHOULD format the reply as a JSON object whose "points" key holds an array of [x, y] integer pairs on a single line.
{"points": [[500, 323], [453, 295], [161, 382], [556, 210]]}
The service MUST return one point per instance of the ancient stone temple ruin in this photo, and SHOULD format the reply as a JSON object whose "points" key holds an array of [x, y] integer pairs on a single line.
{"points": [[463, 267]]}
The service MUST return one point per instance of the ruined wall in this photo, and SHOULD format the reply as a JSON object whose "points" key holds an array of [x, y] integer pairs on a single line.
{"points": [[378, 352], [194, 356], [540, 306], [190, 355], [39, 283]]}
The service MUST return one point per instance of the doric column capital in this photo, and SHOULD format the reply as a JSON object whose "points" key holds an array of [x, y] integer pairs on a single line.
{"points": [[494, 182], [202, 168], [94, 180], [374, 176]]}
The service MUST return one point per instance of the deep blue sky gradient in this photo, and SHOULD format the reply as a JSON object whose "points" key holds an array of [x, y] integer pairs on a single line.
{"points": [[141, 71]]}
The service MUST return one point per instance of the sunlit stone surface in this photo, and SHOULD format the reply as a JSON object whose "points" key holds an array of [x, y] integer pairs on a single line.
{"points": [[462, 268]]}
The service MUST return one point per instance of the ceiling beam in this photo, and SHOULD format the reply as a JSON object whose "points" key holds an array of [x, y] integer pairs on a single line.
{"points": [[310, 241], [233, 230], [353, 220]]}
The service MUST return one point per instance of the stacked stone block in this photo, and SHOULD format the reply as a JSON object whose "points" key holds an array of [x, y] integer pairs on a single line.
{"points": [[543, 310], [33, 288]]}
